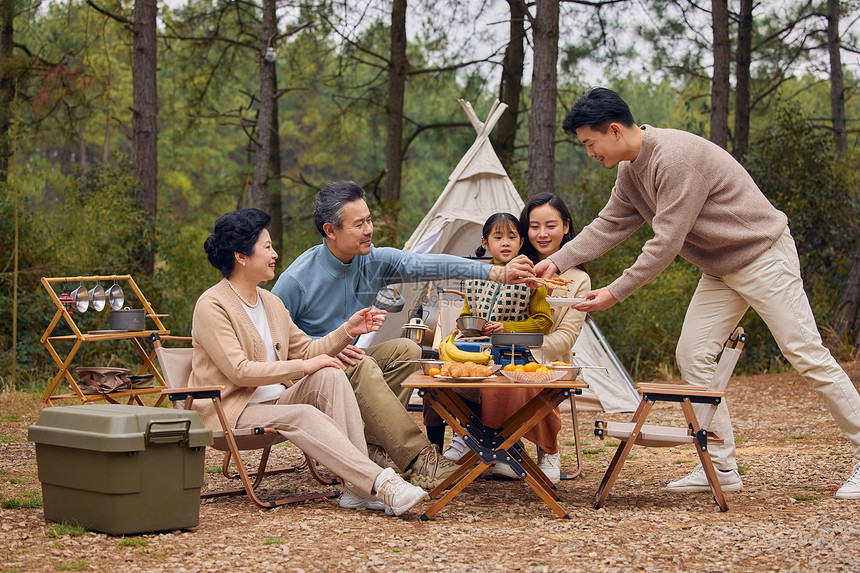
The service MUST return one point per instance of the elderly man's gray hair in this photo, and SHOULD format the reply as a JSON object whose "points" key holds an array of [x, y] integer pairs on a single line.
{"points": [[329, 202]]}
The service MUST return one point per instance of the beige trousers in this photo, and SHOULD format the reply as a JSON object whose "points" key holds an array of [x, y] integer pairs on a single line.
{"points": [[319, 414], [772, 286]]}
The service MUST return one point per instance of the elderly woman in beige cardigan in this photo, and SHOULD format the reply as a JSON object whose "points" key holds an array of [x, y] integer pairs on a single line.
{"points": [[275, 375]]}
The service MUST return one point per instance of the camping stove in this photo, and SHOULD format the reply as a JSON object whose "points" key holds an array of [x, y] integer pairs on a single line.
{"points": [[501, 354]]}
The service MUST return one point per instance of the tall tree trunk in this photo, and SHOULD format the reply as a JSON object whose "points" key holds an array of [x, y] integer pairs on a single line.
{"points": [[7, 83], [720, 85], [837, 93], [542, 119], [845, 319], [145, 116], [397, 72], [742, 74], [260, 184], [511, 87], [275, 205]]}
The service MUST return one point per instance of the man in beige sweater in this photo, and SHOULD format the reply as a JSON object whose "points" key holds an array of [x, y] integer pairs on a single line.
{"points": [[703, 205]]}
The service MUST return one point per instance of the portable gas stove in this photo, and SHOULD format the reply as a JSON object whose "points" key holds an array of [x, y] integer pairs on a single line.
{"points": [[505, 346]]}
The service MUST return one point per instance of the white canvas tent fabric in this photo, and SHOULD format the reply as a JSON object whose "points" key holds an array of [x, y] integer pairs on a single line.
{"points": [[478, 187]]}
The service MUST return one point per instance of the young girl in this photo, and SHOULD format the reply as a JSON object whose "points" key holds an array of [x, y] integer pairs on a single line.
{"points": [[546, 221], [507, 308]]}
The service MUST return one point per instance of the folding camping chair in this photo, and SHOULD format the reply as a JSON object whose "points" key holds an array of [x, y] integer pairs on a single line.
{"points": [[706, 400], [176, 368]]}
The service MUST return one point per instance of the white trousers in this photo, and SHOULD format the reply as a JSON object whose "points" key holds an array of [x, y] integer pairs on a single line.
{"points": [[772, 286]]}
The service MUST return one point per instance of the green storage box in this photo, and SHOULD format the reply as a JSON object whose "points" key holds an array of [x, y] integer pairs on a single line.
{"points": [[121, 469]]}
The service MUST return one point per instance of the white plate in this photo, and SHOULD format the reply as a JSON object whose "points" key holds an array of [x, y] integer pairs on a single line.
{"points": [[463, 379], [563, 301]]}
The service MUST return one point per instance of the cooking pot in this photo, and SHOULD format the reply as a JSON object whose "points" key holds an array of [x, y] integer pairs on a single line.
{"points": [[127, 319], [516, 339]]}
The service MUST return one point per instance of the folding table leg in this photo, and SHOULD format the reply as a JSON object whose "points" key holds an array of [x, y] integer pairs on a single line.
{"points": [[574, 419]]}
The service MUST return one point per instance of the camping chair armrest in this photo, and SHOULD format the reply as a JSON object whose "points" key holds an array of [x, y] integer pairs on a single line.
{"points": [[197, 392], [175, 338], [661, 386], [679, 390]]}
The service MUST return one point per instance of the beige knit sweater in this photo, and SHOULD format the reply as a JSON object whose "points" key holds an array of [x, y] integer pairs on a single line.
{"points": [[700, 202], [228, 350]]}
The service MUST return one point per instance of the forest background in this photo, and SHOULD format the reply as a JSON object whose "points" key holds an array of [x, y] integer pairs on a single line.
{"points": [[127, 127]]}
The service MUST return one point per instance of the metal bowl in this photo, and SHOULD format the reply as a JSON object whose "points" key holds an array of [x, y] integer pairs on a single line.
{"points": [[471, 325], [97, 298], [426, 365]]}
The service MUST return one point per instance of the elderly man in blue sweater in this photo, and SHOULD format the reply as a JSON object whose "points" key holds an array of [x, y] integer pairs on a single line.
{"points": [[328, 283]]}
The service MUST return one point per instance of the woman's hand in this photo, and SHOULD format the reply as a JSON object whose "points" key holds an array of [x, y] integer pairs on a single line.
{"points": [[311, 365], [492, 328], [514, 272], [365, 320]]}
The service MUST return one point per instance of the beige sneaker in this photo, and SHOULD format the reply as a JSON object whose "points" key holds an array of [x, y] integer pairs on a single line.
{"points": [[380, 457], [430, 469], [397, 495]]}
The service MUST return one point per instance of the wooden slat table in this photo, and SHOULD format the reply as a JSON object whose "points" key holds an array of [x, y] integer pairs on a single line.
{"points": [[492, 445]]}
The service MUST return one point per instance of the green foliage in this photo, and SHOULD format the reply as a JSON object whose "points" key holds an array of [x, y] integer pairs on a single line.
{"points": [[138, 542], [63, 528], [30, 502]]}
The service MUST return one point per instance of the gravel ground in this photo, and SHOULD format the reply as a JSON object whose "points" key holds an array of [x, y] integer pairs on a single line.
{"points": [[786, 519]]}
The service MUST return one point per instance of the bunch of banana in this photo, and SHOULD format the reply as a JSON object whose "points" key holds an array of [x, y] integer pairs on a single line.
{"points": [[449, 352]]}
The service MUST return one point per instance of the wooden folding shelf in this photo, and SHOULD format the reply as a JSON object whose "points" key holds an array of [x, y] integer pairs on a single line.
{"points": [[78, 338]]}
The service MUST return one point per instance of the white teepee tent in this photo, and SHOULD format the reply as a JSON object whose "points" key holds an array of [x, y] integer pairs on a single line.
{"points": [[477, 188]]}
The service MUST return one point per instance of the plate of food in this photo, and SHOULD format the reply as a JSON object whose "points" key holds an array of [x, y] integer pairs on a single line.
{"points": [[462, 378], [464, 372], [554, 282], [563, 301]]}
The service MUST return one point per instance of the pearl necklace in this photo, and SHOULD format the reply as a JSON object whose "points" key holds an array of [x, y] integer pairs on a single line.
{"points": [[242, 298]]}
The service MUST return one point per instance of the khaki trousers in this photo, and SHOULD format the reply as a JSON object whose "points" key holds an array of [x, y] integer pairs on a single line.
{"points": [[771, 285], [376, 382], [319, 414]]}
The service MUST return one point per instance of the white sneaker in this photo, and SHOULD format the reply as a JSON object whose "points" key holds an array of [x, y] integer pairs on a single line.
{"points": [[697, 481], [456, 449], [350, 500], [851, 488], [550, 464], [397, 494], [503, 470]]}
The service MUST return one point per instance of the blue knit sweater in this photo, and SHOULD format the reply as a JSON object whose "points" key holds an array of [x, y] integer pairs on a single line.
{"points": [[321, 292]]}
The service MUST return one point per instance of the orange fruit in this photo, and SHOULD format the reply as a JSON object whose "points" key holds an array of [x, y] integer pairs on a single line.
{"points": [[509, 367], [434, 372], [519, 368], [530, 367], [543, 369]]}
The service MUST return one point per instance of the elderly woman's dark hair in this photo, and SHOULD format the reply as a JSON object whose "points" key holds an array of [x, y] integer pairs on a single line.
{"points": [[235, 232], [556, 203], [329, 202]]}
